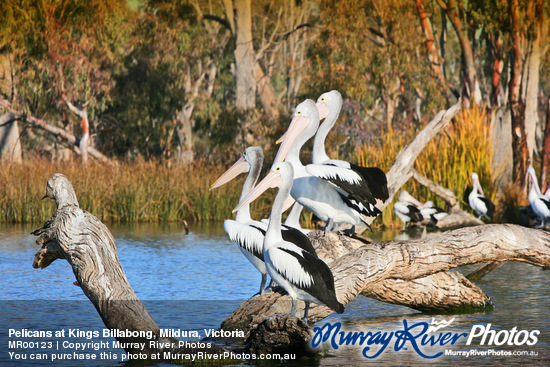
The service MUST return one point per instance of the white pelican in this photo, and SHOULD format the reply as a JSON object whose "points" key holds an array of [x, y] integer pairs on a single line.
{"points": [[538, 202], [249, 234], [431, 212], [302, 275], [324, 190], [406, 209], [373, 184], [293, 218], [482, 206]]}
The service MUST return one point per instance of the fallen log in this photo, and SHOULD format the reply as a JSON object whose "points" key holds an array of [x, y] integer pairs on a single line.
{"points": [[372, 268]]}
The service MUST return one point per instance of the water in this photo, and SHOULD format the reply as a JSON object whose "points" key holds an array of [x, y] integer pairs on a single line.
{"points": [[195, 281]]}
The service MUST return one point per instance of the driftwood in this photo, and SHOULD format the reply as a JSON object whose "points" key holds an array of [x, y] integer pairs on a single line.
{"points": [[401, 169], [412, 270], [85, 242]]}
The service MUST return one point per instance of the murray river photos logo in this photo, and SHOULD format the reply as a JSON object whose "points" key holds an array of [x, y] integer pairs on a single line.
{"points": [[419, 337]]}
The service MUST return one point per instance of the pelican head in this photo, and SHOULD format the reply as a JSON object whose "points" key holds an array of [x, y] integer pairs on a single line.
{"points": [[303, 126], [251, 156], [329, 102]]}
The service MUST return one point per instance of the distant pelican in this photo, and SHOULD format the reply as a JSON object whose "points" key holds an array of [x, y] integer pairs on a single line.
{"points": [[406, 209], [538, 202], [302, 275], [249, 234], [482, 206], [431, 212]]}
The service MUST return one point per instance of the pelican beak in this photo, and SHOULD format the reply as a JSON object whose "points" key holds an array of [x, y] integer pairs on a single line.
{"points": [[413, 200], [323, 110], [297, 126], [280, 139], [479, 186], [241, 166], [288, 203], [273, 179]]}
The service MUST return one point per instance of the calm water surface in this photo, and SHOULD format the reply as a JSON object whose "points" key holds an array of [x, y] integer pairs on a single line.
{"points": [[195, 281]]}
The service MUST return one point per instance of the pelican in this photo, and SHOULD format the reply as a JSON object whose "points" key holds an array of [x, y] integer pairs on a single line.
{"points": [[538, 202], [482, 206], [302, 275], [431, 212], [249, 234], [324, 190], [406, 209], [293, 218], [373, 182]]}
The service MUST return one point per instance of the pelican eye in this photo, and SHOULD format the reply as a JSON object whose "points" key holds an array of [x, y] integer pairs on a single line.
{"points": [[298, 112]]}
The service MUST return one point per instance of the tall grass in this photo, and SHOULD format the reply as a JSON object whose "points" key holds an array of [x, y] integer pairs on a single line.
{"points": [[153, 192], [132, 192], [449, 159]]}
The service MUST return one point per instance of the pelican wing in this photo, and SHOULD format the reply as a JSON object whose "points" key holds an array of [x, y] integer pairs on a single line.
{"points": [[248, 237], [310, 274], [347, 182]]}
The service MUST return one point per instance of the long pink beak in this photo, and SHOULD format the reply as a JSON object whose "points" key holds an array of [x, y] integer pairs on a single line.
{"points": [[241, 166], [297, 126], [323, 110], [273, 179], [478, 185], [413, 200]]}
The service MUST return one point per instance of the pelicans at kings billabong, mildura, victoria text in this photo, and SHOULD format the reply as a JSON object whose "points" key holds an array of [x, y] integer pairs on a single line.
{"points": [[249, 234], [301, 274], [324, 190]]}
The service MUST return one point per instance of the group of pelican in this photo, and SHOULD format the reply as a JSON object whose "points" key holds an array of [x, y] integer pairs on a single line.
{"points": [[336, 191], [410, 210]]}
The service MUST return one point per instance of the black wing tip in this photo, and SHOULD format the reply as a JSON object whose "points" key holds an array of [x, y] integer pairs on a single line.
{"points": [[339, 308]]}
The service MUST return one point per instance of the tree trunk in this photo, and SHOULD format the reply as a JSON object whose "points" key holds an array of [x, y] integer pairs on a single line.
{"points": [[184, 131], [469, 66], [10, 145], [244, 57], [517, 105], [532, 74], [545, 151], [497, 72]]}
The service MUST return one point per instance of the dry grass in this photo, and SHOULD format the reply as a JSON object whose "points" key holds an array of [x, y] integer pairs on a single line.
{"points": [[152, 192], [132, 192]]}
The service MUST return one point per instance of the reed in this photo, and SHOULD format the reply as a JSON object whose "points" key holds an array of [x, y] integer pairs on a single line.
{"points": [[449, 159], [131, 192], [151, 191]]}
